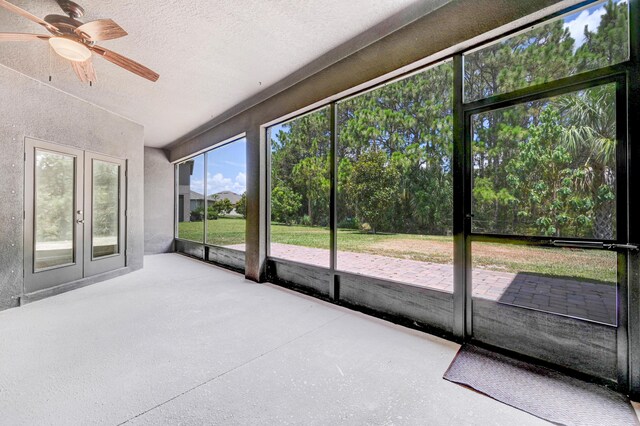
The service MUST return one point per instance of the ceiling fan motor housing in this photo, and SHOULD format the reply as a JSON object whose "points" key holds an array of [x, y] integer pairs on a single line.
{"points": [[64, 24]]}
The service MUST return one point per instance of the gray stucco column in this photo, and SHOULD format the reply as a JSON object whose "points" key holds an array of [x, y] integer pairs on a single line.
{"points": [[256, 204]]}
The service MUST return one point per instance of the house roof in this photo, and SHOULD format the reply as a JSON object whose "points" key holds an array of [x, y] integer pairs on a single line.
{"points": [[231, 196]]}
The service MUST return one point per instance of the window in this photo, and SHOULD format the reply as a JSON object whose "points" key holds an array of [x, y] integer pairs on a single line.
{"points": [[217, 204], [300, 186], [557, 49], [395, 185]]}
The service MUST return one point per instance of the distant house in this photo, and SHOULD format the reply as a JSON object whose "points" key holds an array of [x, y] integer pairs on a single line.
{"points": [[196, 200], [189, 200], [184, 191], [231, 196]]}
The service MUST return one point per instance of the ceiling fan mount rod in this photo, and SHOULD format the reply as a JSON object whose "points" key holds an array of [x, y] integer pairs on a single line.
{"points": [[73, 9]]}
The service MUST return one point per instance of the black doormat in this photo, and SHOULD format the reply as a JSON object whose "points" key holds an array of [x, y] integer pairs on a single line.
{"points": [[539, 391]]}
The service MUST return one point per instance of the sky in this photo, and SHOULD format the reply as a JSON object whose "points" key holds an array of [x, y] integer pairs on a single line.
{"points": [[591, 16], [226, 169]]}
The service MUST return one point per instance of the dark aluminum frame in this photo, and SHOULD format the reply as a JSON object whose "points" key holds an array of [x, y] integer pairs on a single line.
{"points": [[633, 176], [462, 233], [545, 91], [223, 256], [626, 76], [332, 110]]}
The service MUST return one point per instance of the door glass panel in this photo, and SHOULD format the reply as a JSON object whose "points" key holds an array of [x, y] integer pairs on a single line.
{"points": [[54, 210], [105, 208], [580, 283], [547, 167]]}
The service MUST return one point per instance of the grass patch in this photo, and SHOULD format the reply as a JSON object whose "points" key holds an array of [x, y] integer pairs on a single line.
{"points": [[591, 265], [595, 265], [224, 231]]}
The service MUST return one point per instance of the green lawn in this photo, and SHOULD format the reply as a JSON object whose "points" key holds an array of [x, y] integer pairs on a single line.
{"points": [[221, 232], [593, 265]]}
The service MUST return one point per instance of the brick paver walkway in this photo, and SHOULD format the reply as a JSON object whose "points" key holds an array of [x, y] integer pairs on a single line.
{"points": [[572, 297]]}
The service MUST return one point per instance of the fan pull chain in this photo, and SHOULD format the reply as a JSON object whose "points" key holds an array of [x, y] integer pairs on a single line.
{"points": [[50, 78]]}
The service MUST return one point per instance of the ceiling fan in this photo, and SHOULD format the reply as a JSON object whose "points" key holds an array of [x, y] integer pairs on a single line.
{"points": [[75, 41]]}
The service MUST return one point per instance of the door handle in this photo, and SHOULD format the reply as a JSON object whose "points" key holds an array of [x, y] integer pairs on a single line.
{"points": [[593, 244], [578, 244], [622, 246]]}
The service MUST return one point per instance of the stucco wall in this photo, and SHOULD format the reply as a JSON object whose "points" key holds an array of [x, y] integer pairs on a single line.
{"points": [[158, 202], [29, 108]]}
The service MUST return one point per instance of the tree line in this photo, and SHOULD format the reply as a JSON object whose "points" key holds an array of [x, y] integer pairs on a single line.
{"points": [[545, 167]]}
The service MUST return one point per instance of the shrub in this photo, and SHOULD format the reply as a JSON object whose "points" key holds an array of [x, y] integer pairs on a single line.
{"points": [[285, 204], [241, 205], [212, 213], [306, 221], [374, 185], [349, 223], [365, 227], [197, 215]]}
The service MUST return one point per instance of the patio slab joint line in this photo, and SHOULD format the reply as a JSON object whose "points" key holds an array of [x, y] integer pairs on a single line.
{"points": [[232, 369]]}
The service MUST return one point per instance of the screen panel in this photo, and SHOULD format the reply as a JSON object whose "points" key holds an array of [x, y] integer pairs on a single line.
{"points": [[300, 186], [547, 167], [395, 181], [585, 40]]}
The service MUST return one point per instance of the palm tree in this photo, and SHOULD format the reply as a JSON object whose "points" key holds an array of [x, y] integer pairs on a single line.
{"points": [[590, 134]]}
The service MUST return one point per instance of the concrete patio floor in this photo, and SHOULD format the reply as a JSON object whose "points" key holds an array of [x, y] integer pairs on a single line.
{"points": [[184, 342]]}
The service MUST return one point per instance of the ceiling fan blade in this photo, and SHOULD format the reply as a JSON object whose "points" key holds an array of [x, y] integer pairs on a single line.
{"points": [[102, 29], [126, 63], [23, 37], [25, 14], [85, 71]]}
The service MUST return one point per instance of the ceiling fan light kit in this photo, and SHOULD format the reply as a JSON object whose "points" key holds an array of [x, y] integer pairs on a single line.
{"points": [[69, 49], [76, 41]]}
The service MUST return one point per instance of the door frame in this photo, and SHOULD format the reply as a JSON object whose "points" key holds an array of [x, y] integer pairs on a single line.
{"points": [[569, 85], [94, 266], [36, 281], [84, 265]]}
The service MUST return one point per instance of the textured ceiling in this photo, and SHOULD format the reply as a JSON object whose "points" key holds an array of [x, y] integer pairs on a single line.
{"points": [[211, 54]]}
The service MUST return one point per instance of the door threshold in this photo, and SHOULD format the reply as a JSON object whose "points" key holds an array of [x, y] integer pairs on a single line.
{"points": [[73, 285]]}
